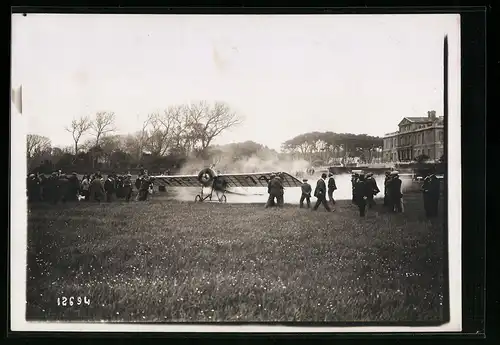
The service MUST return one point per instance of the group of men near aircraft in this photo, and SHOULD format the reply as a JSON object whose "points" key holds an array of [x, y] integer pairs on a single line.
{"points": [[276, 192], [93, 187], [364, 189], [59, 187]]}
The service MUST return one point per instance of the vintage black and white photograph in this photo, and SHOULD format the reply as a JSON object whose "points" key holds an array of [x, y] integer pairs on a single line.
{"points": [[170, 170]]}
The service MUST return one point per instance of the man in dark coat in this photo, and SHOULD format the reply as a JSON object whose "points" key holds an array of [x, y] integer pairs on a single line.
{"points": [[73, 187], [395, 194], [320, 194], [96, 189], [431, 190], [127, 187], [138, 184], [63, 189], [354, 179], [306, 194], [276, 191], [361, 191], [372, 188], [42, 182], [144, 189], [109, 188], [270, 201], [331, 188], [387, 181], [51, 188], [33, 188], [280, 190]]}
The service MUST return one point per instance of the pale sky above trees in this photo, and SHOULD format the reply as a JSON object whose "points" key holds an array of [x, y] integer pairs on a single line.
{"points": [[285, 75]]}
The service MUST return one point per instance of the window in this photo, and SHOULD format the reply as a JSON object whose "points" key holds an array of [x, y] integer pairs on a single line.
{"points": [[441, 136]]}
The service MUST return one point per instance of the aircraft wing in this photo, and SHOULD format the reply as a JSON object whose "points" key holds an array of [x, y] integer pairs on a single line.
{"points": [[233, 180], [258, 180], [176, 180]]}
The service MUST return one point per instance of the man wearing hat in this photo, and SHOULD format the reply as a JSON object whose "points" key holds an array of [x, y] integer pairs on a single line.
{"points": [[73, 187], [320, 194], [270, 201], [431, 190], [395, 194], [127, 187], [361, 192], [32, 186], [109, 187], [96, 189], [84, 186], [372, 188], [144, 188], [387, 181], [51, 188], [276, 191], [354, 179], [63, 188], [306, 194], [331, 187]]}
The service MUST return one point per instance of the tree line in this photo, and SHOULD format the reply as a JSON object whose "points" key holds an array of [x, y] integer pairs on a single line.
{"points": [[335, 147], [167, 139]]}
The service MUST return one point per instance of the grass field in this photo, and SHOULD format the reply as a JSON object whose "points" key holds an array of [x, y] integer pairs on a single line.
{"points": [[173, 261]]}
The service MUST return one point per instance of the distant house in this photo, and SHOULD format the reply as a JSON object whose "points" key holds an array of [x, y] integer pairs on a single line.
{"points": [[416, 136]]}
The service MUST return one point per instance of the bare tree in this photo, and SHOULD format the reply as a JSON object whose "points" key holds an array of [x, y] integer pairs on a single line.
{"points": [[181, 136], [164, 130], [78, 128], [103, 124], [207, 122], [136, 143], [36, 145]]}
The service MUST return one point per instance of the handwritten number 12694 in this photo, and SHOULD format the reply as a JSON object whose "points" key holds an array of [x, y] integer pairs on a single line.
{"points": [[71, 301]]}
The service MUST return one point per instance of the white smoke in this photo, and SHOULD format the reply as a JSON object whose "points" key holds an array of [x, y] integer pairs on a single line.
{"points": [[269, 163], [292, 194]]}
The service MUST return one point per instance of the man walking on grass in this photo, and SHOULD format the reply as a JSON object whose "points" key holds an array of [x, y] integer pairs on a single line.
{"points": [[306, 194], [331, 188], [395, 193], [320, 194]]}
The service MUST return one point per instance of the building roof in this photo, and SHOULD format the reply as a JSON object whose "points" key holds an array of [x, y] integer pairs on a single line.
{"points": [[390, 134], [419, 119], [423, 120]]}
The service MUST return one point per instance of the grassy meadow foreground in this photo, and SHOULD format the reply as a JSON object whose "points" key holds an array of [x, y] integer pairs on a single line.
{"points": [[173, 261]]}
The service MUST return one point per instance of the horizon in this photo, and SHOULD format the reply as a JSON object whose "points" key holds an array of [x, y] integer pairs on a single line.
{"points": [[345, 74]]}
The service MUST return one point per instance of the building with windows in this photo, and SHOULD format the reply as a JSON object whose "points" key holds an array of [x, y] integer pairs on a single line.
{"points": [[416, 136]]}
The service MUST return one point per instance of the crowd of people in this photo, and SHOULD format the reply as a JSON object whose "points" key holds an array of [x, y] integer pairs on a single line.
{"points": [[60, 187], [364, 190]]}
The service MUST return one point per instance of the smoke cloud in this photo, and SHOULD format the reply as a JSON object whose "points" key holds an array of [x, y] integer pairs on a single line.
{"points": [[226, 164]]}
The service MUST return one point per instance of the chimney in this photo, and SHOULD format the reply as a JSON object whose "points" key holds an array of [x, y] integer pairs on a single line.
{"points": [[431, 114]]}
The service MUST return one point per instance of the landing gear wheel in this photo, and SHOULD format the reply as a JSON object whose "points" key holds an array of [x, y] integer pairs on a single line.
{"points": [[197, 198], [223, 199]]}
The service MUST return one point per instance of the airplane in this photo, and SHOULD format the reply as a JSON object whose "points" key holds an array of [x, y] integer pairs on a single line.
{"points": [[219, 183]]}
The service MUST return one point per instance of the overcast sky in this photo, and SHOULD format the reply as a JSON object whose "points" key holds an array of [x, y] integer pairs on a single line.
{"points": [[285, 74]]}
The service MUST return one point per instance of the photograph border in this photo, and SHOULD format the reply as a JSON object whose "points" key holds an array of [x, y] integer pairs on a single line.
{"points": [[469, 99]]}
